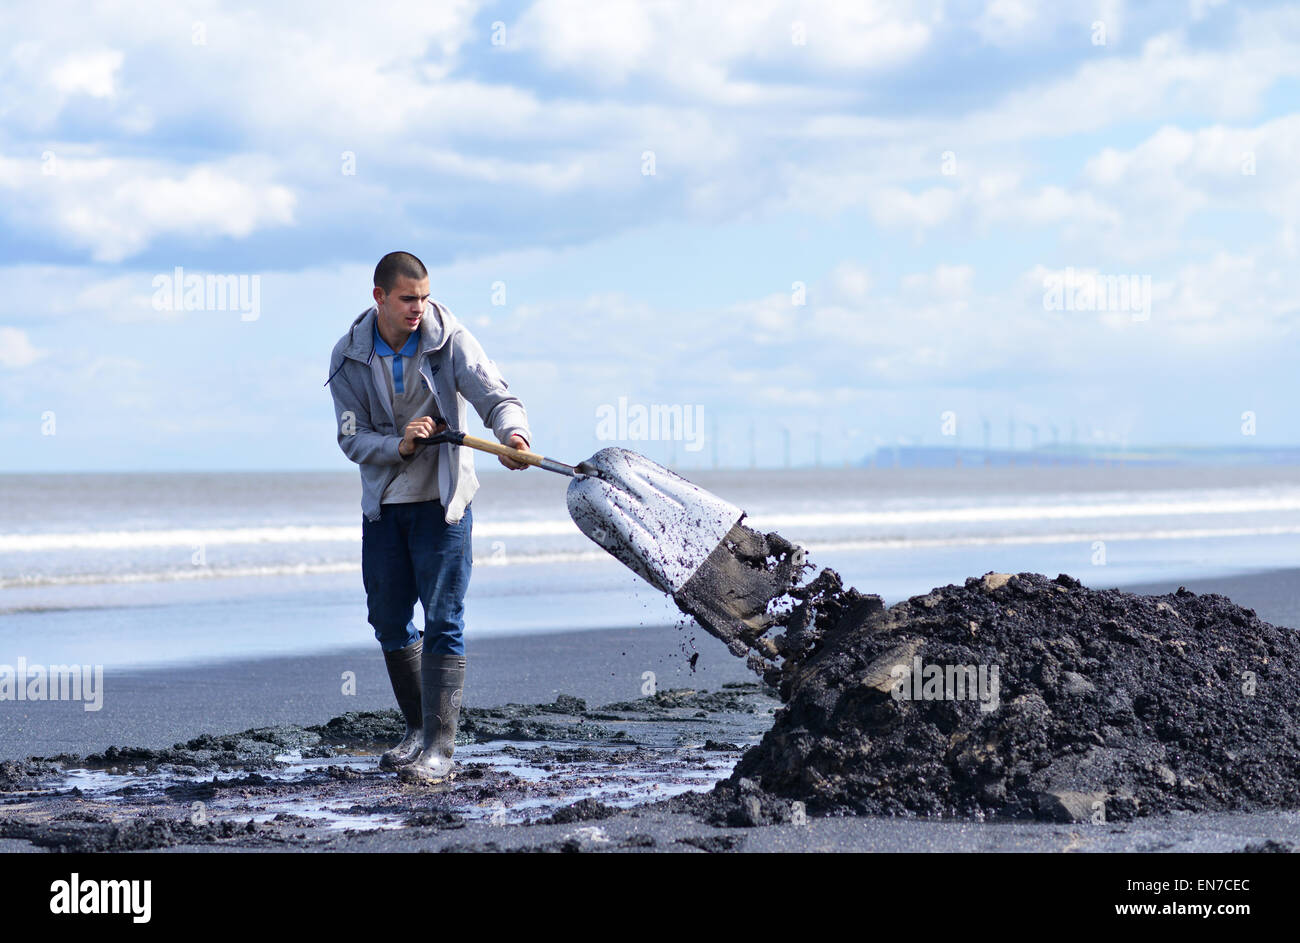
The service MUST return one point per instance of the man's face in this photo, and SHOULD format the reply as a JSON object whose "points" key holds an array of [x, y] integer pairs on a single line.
{"points": [[401, 309]]}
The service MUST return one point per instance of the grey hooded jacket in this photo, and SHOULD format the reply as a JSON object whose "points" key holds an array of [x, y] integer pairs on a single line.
{"points": [[455, 367]]}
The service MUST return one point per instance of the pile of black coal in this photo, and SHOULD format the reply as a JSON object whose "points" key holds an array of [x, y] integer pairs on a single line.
{"points": [[1023, 696]]}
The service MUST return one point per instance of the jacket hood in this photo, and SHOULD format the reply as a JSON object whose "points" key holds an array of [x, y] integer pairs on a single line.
{"points": [[436, 328]]}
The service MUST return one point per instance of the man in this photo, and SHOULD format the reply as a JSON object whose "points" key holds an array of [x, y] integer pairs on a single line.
{"points": [[403, 366]]}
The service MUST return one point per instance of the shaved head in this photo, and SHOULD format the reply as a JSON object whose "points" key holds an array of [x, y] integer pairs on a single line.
{"points": [[397, 265]]}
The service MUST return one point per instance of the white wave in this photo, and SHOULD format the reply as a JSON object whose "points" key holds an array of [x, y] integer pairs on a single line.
{"points": [[1030, 512], [275, 569], [927, 543], [561, 527], [214, 537], [587, 556]]}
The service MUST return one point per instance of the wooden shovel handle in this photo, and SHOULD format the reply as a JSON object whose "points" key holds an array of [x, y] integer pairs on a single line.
{"points": [[496, 448]]}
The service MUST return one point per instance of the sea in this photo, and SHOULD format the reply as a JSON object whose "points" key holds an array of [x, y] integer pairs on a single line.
{"points": [[133, 571]]}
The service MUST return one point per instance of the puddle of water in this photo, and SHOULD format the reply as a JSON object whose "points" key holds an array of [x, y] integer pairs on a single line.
{"points": [[631, 783]]}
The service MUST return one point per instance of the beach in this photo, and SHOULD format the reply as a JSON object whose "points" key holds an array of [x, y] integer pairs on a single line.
{"points": [[356, 808], [159, 707], [613, 718]]}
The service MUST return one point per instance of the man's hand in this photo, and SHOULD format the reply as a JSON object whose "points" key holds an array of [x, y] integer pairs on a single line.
{"points": [[516, 441], [418, 429]]}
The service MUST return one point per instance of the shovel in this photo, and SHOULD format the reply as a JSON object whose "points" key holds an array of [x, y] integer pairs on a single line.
{"points": [[679, 538]]}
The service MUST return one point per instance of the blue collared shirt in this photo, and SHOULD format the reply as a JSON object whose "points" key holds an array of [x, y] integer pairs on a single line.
{"points": [[409, 349]]}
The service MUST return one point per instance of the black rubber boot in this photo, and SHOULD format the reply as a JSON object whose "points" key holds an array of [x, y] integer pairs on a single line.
{"points": [[404, 673], [444, 681]]}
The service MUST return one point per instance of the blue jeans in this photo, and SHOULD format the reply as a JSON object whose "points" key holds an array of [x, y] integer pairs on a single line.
{"points": [[412, 553]]}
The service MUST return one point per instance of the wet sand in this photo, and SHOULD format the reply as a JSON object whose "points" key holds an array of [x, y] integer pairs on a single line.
{"points": [[314, 787], [157, 708]]}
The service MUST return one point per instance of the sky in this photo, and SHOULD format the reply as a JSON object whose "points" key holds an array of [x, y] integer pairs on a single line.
{"points": [[815, 228]]}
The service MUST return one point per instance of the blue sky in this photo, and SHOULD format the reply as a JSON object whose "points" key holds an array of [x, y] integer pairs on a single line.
{"points": [[922, 170]]}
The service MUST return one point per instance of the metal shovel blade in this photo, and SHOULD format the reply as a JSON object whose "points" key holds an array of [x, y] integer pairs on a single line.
{"points": [[685, 542]]}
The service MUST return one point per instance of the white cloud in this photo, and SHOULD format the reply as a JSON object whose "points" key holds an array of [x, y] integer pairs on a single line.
{"points": [[1165, 76], [704, 48], [943, 282], [850, 281], [1006, 21], [16, 349], [90, 73], [1247, 166], [608, 40], [1052, 204], [1199, 9], [898, 207], [37, 294], [743, 121], [116, 208], [292, 66]]}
